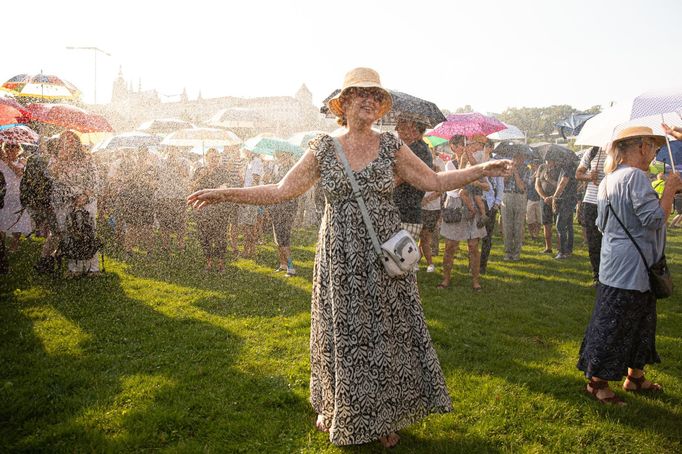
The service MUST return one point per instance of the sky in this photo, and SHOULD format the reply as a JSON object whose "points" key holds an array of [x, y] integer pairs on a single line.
{"points": [[490, 54]]}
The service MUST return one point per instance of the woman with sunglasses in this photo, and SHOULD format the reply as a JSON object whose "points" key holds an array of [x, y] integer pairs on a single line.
{"points": [[373, 368]]}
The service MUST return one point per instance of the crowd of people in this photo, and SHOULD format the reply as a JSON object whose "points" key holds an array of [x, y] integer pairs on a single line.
{"points": [[373, 367]]}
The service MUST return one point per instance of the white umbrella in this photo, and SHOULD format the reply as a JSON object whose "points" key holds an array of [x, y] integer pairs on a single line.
{"points": [[203, 137], [164, 125], [511, 133]]}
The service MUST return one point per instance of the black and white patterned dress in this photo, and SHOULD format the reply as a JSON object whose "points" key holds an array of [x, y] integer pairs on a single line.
{"points": [[373, 368]]}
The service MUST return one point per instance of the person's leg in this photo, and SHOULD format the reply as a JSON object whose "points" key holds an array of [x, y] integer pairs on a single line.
{"points": [[594, 237], [508, 225], [487, 242], [518, 222], [563, 220], [451, 248], [474, 263], [425, 246], [635, 381]]}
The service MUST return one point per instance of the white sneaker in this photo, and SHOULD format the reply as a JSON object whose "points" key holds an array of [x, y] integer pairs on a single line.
{"points": [[291, 271], [431, 268]]}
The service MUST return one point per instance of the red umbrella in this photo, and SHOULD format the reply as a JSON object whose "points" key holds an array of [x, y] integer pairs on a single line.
{"points": [[69, 117], [11, 112], [18, 134], [467, 124]]}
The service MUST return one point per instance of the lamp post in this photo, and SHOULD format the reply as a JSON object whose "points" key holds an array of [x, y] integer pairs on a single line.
{"points": [[94, 53]]}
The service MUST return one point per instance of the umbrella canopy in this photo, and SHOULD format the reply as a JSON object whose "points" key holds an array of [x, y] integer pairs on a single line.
{"points": [[469, 125], [510, 132], [69, 117], [164, 126], [572, 125], [510, 149], [235, 117], [416, 109], [134, 139], [676, 149], [656, 102], [42, 86], [301, 139], [202, 137], [11, 112], [554, 152], [268, 146], [434, 141], [17, 134]]}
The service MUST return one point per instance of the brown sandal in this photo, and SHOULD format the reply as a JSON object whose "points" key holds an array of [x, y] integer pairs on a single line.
{"points": [[596, 386], [638, 382]]}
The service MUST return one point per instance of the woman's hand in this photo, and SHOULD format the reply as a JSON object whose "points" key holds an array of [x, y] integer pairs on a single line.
{"points": [[204, 197], [497, 168], [674, 131]]}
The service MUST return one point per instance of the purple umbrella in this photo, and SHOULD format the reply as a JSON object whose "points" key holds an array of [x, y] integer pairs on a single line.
{"points": [[467, 124]]}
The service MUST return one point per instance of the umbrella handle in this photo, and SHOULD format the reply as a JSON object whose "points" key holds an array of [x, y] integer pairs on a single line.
{"points": [[670, 150]]}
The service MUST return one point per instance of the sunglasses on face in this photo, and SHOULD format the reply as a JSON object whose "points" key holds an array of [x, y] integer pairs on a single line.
{"points": [[365, 93]]}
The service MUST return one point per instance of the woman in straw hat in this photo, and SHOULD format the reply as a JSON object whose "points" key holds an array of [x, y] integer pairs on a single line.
{"points": [[373, 368], [620, 338]]}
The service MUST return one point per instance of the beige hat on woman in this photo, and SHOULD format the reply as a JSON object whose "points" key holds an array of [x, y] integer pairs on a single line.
{"points": [[638, 131], [361, 78]]}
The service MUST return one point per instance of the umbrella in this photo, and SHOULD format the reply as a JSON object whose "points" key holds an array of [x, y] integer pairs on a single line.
{"points": [[509, 149], [17, 134], [11, 112], [510, 132], [164, 126], [573, 124], [434, 141], [469, 125], [301, 139], [554, 152], [235, 117], [676, 152], [268, 146], [405, 105], [656, 102], [69, 117], [202, 137], [42, 86], [133, 139]]}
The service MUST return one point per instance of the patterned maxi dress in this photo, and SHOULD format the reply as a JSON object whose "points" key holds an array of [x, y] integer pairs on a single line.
{"points": [[373, 368]]}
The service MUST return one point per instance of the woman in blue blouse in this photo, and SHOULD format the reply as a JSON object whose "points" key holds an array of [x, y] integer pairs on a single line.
{"points": [[620, 338]]}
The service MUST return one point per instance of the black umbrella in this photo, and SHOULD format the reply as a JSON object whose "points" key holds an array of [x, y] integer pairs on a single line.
{"points": [[416, 109], [510, 149], [572, 125], [554, 152]]}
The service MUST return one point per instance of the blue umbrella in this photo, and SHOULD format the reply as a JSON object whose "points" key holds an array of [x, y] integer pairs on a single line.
{"points": [[663, 155], [572, 125]]}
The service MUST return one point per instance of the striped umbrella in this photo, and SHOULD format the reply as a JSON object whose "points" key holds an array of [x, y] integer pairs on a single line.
{"points": [[42, 86]]}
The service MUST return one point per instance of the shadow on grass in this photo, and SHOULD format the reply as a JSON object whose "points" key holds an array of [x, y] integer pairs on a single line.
{"points": [[86, 367]]}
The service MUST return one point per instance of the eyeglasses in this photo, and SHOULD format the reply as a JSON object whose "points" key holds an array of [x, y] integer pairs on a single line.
{"points": [[362, 92]]}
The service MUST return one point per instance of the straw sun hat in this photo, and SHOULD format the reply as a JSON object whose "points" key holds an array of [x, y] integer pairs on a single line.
{"points": [[361, 78], [638, 131]]}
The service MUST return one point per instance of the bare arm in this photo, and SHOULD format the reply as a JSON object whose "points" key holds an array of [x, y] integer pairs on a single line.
{"points": [[412, 170], [297, 181]]}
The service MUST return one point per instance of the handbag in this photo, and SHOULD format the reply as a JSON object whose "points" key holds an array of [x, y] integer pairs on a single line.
{"points": [[452, 214], [660, 279], [400, 253]]}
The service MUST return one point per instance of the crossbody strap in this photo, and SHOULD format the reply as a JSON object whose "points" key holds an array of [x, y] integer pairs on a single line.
{"points": [[627, 232], [358, 196]]}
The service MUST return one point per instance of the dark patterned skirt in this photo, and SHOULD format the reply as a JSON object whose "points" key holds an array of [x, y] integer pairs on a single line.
{"points": [[621, 334]]}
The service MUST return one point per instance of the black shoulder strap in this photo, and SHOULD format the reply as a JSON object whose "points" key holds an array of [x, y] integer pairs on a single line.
{"points": [[627, 232]]}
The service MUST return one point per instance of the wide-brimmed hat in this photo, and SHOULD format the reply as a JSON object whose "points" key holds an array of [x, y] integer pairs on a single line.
{"points": [[638, 131], [361, 78]]}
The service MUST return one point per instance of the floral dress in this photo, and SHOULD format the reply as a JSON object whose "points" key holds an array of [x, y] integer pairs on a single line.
{"points": [[373, 368]]}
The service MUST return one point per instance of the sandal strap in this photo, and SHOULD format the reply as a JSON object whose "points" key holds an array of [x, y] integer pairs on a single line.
{"points": [[638, 381], [598, 384]]}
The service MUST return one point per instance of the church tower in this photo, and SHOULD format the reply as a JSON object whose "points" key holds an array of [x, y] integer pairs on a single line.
{"points": [[119, 91]]}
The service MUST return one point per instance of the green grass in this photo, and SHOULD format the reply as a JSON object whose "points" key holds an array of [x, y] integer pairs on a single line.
{"points": [[156, 355]]}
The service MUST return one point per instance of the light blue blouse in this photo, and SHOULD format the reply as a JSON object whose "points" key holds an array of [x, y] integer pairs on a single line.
{"points": [[637, 206]]}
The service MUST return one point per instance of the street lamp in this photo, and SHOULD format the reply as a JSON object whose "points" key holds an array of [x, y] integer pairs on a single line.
{"points": [[94, 53]]}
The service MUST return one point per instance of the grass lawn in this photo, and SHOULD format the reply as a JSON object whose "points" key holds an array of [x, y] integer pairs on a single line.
{"points": [[159, 355]]}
